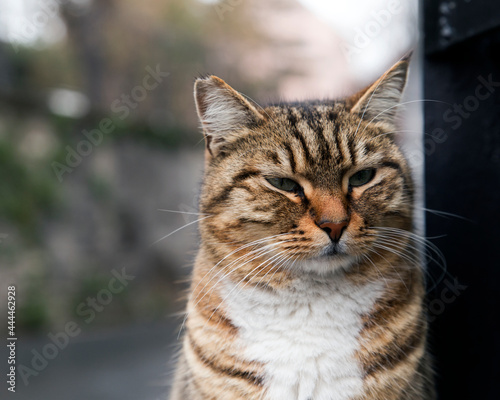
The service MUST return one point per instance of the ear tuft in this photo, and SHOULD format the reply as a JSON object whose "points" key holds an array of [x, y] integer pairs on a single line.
{"points": [[222, 111], [378, 102]]}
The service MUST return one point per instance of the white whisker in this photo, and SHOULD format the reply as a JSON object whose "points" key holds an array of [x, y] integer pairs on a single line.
{"points": [[178, 229], [181, 212], [236, 286], [428, 251], [259, 253], [402, 104], [445, 214]]}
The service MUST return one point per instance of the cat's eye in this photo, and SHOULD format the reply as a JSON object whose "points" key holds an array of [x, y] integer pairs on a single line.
{"points": [[362, 177], [284, 184]]}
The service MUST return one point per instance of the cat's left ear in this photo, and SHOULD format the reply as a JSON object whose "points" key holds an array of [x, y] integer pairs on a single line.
{"points": [[223, 113], [378, 102]]}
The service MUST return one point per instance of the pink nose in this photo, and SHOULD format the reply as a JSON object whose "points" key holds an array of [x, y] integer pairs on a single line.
{"points": [[333, 229]]}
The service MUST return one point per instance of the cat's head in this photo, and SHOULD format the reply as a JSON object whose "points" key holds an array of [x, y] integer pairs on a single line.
{"points": [[307, 185]]}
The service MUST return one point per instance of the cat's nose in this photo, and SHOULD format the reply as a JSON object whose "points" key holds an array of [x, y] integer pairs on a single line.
{"points": [[334, 229]]}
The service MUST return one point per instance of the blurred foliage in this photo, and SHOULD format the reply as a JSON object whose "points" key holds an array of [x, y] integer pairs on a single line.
{"points": [[109, 44], [103, 56], [99, 187], [33, 312], [24, 191], [89, 287]]}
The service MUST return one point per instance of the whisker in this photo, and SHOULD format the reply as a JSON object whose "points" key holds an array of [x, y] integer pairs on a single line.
{"points": [[401, 254], [377, 269], [445, 214], [428, 250], [246, 262], [394, 268], [281, 263], [182, 212], [254, 243], [236, 286], [370, 99], [403, 131], [427, 258], [403, 249], [258, 106], [395, 232], [402, 104], [417, 262], [260, 252], [178, 229], [275, 267], [256, 254]]}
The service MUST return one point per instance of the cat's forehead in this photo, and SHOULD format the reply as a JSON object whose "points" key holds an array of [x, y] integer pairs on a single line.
{"points": [[319, 140], [319, 121]]}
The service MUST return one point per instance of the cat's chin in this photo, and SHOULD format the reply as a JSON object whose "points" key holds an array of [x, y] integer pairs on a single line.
{"points": [[329, 262]]}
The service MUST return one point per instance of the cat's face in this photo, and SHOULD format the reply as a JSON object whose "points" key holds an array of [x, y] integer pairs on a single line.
{"points": [[303, 186]]}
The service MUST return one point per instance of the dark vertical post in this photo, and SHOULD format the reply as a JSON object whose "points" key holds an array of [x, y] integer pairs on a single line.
{"points": [[462, 173]]}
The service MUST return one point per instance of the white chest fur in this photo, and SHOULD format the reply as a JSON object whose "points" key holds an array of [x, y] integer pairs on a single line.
{"points": [[305, 336]]}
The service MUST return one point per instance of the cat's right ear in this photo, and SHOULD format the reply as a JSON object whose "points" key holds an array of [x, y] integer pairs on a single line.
{"points": [[378, 103], [224, 113]]}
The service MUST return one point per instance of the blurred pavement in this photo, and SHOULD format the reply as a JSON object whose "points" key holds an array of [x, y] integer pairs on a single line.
{"points": [[126, 364]]}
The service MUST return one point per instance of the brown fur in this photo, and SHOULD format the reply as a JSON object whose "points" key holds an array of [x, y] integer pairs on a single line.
{"points": [[318, 145]]}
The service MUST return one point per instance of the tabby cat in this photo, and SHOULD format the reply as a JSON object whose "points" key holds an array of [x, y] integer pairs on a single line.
{"points": [[307, 284]]}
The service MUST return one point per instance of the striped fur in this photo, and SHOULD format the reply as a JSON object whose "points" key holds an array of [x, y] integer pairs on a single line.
{"points": [[277, 309]]}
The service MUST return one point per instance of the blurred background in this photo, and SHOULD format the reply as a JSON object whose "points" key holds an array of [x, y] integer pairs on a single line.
{"points": [[99, 138]]}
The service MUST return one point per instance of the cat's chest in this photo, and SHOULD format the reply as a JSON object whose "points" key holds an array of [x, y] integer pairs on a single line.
{"points": [[306, 337]]}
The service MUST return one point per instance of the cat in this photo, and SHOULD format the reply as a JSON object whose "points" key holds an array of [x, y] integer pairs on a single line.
{"points": [[307, 284]]}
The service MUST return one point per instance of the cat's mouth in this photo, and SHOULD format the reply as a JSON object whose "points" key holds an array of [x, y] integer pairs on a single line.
{"points": [[332, 250], [335, 249], [331, 259]]}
